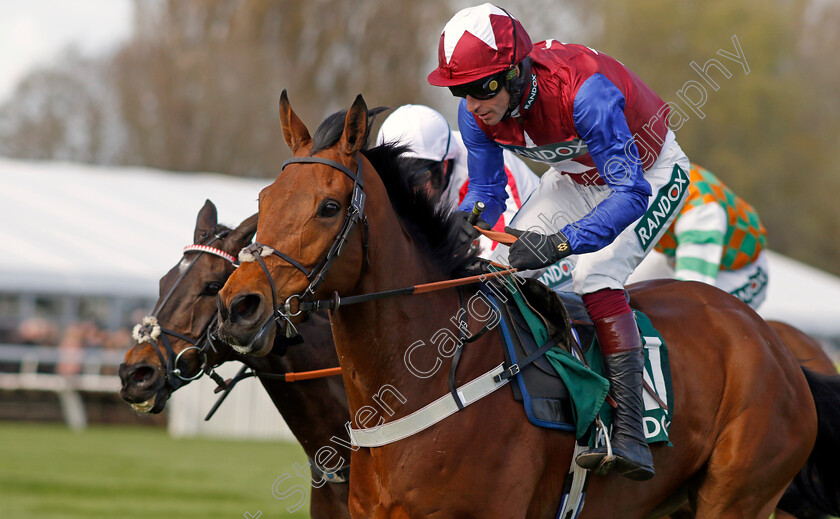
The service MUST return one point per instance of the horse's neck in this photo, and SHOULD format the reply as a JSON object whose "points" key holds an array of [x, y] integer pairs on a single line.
{"points": [[371, 338], [315, 410]]}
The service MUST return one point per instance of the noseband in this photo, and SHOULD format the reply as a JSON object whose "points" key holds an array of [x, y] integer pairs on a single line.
{"points": [[355, 214], [151, 331]]}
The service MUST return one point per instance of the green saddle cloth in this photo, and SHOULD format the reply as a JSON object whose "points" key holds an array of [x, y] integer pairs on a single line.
{"points": [[587, 389], [587, 386]]}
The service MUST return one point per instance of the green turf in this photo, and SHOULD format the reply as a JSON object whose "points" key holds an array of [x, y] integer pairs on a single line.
{"points": [[50, 472]]}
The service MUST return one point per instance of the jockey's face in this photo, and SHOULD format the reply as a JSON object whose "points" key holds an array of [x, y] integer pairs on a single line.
{"points": [[492, 110]]}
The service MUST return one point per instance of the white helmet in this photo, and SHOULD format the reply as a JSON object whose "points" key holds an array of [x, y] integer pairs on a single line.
{"points": [[420, 128]]}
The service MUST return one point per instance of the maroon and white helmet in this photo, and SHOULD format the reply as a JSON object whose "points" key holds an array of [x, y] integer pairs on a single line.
{"points": [[478, 42]]}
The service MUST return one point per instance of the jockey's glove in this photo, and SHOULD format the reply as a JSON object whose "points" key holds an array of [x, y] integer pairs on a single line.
{"points": [[467, 233], [534, 250]]}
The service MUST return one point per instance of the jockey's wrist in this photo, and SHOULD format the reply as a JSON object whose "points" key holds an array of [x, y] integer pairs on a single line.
{"points": [[534, 250], [561, 243]]}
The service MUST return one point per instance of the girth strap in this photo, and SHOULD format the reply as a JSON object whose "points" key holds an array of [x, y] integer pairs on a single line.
{"points": [[429, 415]]}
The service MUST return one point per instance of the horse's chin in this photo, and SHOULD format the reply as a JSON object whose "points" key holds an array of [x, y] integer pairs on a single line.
{"points": [[262, 342], [153, 405]]}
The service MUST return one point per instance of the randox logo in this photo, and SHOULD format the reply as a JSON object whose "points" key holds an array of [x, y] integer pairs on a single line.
{"points": [[532, 95], [558, 274], [659, 213], [551, 153], [755, 284]]}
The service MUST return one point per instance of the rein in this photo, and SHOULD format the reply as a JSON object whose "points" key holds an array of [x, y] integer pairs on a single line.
{"points": [[227, 386]]}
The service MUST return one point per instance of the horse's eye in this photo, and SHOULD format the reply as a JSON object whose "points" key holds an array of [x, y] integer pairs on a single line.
{"points": [[212, 288], [329, 208]]}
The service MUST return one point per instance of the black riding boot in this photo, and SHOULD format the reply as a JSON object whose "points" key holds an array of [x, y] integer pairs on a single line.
{"points": [[621, 347]]}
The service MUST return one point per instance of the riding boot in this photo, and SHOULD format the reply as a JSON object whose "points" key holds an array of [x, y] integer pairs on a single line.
{"points": [[621, 348]]}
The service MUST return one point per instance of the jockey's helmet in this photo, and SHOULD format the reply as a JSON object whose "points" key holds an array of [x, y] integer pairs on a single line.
{"points": [[422, 129], [478, 53]]}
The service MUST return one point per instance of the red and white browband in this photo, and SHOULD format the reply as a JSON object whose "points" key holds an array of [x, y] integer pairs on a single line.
{"points": [[210, 250]]}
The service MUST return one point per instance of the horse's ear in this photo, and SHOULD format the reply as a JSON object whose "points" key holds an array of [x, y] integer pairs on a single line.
{"points": [[294, 131], [244, 234], [206, 222], [355, 127]]}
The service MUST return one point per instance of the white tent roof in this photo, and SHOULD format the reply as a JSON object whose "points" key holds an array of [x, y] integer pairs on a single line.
{"points": [[72, 228], [803, 296], [797, 294]]}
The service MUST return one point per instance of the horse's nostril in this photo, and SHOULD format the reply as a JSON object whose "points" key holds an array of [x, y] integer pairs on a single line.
{"points": [[142, 374], [244, 307]]}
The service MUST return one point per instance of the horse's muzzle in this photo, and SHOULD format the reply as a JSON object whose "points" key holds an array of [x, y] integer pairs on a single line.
{"points": [[144, 387], [242, 327]]}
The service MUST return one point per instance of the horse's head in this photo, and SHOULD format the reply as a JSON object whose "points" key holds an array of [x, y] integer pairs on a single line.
{"points": [[312, 222], [173, 345]]}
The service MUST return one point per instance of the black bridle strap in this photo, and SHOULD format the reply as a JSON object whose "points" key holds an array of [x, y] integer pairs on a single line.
{"points": [[353, 215], [227, 389], [356, 177], [168, 360], [165, 299], [270, 279], [181, 336]]}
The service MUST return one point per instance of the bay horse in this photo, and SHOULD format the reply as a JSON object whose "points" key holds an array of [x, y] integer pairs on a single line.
{"points": [[190, 311], [315, 410], [746, 419], [144, 375], [805, 348]]}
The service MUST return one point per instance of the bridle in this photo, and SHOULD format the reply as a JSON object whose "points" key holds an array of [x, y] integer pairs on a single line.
{"points": [[355, 213], [282, 315], [151, 331]]}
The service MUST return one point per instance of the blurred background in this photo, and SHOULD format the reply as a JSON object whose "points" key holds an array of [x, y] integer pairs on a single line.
{"points": [[118, 118]]}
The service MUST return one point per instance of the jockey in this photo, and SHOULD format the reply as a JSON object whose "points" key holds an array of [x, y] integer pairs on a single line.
{"points": [[717, 239], [430, 138], [617, 180]]}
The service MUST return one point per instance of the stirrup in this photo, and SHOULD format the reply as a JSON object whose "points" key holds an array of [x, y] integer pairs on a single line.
{"points": [[605, 465]]}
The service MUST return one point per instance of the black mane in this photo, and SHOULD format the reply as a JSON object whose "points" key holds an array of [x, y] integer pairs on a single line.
{"points": [[435, 231]]}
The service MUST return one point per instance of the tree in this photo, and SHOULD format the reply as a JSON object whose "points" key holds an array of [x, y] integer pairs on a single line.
{"points": [[767, 132], [65, 111], [200, 80]]}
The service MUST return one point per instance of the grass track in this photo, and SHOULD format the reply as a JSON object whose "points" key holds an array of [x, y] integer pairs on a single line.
{"points": [[111, 472]]}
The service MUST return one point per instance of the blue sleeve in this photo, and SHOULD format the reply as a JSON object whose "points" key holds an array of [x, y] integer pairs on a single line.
{"points": [[599, 120], [486, 164]]}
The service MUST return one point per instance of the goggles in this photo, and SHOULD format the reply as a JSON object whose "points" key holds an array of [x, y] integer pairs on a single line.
{"points": [[482, 89]]}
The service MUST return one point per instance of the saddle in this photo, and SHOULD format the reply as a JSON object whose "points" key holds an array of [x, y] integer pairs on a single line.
{"points": [[535, 318]]}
